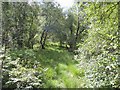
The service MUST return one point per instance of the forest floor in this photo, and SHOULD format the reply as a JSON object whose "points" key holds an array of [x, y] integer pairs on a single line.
{"points": [[58, 66], [61, 67]]}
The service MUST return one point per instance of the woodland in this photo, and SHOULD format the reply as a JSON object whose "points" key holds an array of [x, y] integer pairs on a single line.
{"points": [[47, 47]]}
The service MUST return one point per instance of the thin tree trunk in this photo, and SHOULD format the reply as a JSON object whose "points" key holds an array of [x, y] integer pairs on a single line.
{"points": [[44, 41], [43, 38]]}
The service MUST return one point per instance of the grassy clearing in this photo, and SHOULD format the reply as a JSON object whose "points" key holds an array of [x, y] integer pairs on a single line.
{"points": [[57, 66]]}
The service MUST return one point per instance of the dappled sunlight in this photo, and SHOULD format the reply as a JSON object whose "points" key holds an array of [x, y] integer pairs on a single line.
{"points": [[67, 44]]}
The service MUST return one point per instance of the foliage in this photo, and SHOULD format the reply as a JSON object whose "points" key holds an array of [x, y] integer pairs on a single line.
{"points": [[20, 70], [35, 69], [48, 48], [99, 52]]}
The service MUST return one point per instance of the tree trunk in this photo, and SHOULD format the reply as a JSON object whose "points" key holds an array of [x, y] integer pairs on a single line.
{"points": [[43, 45], [43, 39]]}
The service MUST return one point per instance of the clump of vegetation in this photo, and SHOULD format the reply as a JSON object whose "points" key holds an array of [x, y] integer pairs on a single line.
{"points": [[31, 69]]}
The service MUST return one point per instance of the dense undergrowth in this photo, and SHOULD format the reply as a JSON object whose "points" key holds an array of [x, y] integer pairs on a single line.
{"points": [[51, 68], [55, 67]]}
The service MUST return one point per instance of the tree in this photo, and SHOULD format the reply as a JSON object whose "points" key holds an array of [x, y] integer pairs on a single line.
{"points": [[76, 25], [100, 50], [54, 21], [20, 24]]}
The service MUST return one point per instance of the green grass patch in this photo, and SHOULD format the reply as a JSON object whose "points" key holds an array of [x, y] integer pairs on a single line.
{"points": [[56, 66]]}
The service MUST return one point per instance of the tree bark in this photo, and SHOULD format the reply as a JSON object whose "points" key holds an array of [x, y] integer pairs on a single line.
{"points": [[43, 39]]}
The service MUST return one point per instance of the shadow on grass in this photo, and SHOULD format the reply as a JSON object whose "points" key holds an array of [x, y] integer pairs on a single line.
{"points": [[54, 56], [57, 64]]}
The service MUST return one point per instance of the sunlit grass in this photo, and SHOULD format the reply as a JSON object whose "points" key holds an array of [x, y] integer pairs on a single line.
{"points": [[59, 66]]}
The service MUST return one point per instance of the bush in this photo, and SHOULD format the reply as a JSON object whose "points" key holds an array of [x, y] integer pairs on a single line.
{"points": [[19, 68]]}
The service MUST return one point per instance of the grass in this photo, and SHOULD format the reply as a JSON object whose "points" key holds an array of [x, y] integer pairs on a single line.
{"points": [[59, 66]]}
